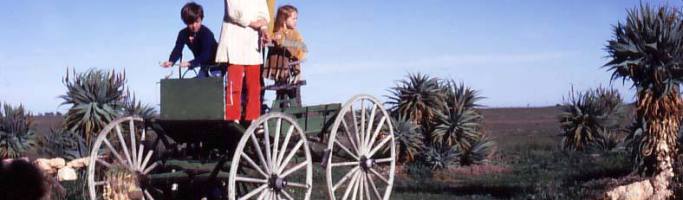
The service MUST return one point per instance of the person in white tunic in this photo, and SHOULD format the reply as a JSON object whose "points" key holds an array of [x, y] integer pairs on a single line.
{"points": [[244, 29]]}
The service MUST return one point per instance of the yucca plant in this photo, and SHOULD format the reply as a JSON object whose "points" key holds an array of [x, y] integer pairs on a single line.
{"points": [[16, 134], [419, 98], [587, 115], [605, 141], [648, 50], [64, 144], [96, 98], [408, 138], [459, 123], [479, 153], [437, 157], [134, 107]]}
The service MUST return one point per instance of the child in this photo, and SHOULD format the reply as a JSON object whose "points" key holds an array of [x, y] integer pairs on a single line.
{"points": [[284, 58], [199, 39], [244, 28]]}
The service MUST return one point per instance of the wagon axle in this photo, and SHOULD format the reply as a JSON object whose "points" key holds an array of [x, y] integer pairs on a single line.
{"points": [[277, 183]]}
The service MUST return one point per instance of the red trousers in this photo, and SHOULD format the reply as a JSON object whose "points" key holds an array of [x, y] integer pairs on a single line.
{"points": [[233, 92]]}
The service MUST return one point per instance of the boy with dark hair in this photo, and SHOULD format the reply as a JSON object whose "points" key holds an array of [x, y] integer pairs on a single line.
{"points": [[199, 39]]}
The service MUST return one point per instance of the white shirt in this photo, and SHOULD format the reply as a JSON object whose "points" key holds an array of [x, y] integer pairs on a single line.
{"points": [[239, 43]]}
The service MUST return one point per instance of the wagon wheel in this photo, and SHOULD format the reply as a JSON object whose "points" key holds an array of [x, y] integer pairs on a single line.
{"points": [[363, 152], [275, 167], [119, 162]]}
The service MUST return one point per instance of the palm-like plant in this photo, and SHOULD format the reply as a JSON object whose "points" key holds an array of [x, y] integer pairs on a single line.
{"points": [[479, 153], [588, 115], [408, 137], [459, 123], [132, 106], [419, 98], [16, 134], [439, 158], [648, 50], [96, 98], [63, 143]]}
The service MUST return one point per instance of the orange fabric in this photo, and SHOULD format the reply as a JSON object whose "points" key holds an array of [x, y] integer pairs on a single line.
{"points": [[233, 92]]}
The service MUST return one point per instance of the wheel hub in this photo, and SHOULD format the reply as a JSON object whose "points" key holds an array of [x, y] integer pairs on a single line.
{"points": [[366, 163], [277, 183]]}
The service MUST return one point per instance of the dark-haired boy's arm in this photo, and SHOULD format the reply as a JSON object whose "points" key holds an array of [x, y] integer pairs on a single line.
{"points": [[178, 48]]}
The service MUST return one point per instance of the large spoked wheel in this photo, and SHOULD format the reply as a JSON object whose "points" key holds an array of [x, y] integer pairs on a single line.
{"points": [[272, 161], [119, 162], [362, 160]]}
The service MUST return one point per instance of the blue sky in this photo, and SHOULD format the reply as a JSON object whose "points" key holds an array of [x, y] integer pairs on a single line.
{"points": [[517, 53]]}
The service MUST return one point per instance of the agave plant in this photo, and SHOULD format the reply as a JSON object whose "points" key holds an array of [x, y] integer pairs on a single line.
{"points": [[419, 98], [64, 144], [134, 107], [588, 114], [459, 123], [648, 50], [16, 134], [96, 98], [408, 137], [439, 157], [605, 141], [479, 153]]}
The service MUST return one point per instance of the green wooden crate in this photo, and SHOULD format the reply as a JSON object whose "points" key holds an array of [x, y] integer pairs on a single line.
{"points": [[192, 99]]}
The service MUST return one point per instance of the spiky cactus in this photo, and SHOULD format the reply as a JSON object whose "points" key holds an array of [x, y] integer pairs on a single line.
{"points": [[132, 106], [588, 115], [459, 123], [16, 134], [648, 50], [96, 98], [408, 138], [479, 153], [64, 144], [439, 158], [419, 98]]}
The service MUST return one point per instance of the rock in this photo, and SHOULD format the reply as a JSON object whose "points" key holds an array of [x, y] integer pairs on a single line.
{"points": [[78, 163], [44, 165], [635, 191], [67, 174], [57, 163]]}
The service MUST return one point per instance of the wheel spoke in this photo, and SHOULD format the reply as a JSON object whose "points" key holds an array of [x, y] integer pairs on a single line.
{"points": [[348, 175], [284, 146], [346, 149], [344, 164], [250, 180], [349, 187], [379, 176], [148, 196], [348, 137], [362, 126], [254, 192], [150, 168], [371, 122], [383, 160], [290, 155], [257, 146], [366, 187], [266, 136], [298, 185], [98, 183], [358, 185], [253, 164], [374, 188], [293, 169], [376, 133], [141, 150], [355, 125], [144, 163], [113, 151], [105, 163], [123, 145], [132, 143], [379, 146], [278, 126], [287, 195], [263, 195]]}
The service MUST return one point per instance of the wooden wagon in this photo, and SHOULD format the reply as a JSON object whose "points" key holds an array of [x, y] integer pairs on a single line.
{"points": [[190, 152]]}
